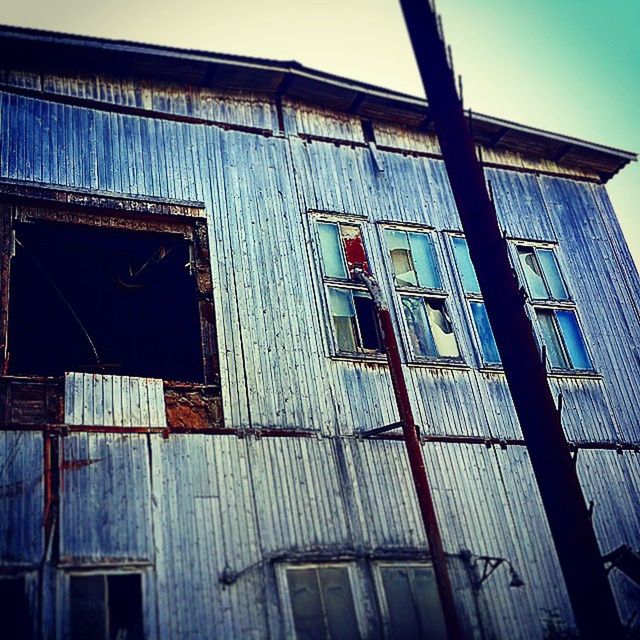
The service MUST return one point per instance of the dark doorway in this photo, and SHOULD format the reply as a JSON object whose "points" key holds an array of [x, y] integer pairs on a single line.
{"points": [[95, 299]]}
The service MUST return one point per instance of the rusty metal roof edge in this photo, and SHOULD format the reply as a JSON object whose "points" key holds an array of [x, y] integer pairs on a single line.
{"points": [[298, 70]]}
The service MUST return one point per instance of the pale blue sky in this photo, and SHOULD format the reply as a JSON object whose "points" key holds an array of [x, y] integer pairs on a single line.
{"points": [[570, 66]]}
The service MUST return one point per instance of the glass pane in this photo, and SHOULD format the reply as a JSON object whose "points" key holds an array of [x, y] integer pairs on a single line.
{"points": [[88, 608], [14, 609], [338, 603], [555, 352], [353, 247], [331, 249], [552, 273], [343, 313], [533, 274], [419, 330], [424, 260], [427, 599], [573, 340], [490, 353], [404, 620], [306, 605], [125, 606], [441, 329], [465, 266], [398, 243], [367, 321]]}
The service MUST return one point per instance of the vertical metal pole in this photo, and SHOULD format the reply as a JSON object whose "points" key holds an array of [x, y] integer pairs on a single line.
{"points": [[589, 590], [416, 460]]}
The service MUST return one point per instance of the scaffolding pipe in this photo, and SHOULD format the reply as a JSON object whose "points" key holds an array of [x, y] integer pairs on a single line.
{"points": [[567, 514], [416, 459]]}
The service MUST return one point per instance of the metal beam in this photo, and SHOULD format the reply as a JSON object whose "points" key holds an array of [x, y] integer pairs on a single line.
{"points": [[580, 560]]}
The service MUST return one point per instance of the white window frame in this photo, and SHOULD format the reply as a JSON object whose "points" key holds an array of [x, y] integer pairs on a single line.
{"points": [[358, 592], [442, 295]]}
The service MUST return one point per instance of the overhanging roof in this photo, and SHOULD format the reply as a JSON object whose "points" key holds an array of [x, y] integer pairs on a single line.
{"points": [[56, 52]]}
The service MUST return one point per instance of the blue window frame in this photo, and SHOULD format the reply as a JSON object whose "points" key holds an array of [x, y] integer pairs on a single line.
{"points": [[554, 310], [423, 298], [354, 320], [487, 347]]}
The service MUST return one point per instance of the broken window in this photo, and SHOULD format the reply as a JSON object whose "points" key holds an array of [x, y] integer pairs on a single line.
{"points": [[483, 333], [105, 606], [419, 284], [410, 601], [542, 274], [322, 603], [14, 609], [110, 300], [353, 314], [563, 339], [554, 310]]}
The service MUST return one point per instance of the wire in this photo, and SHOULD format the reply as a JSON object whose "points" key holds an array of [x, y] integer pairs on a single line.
{"points": [[64, 300]]}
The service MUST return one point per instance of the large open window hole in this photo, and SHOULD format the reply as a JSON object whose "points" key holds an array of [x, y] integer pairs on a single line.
{"points": [[94, 299]]}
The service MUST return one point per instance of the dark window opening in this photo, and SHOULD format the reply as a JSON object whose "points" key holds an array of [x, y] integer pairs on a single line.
{"points": [[94, 299], [106, 607], [14, 609]]}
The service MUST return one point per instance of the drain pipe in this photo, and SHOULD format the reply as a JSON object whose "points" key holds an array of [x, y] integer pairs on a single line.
{"points": [[416, 459]]}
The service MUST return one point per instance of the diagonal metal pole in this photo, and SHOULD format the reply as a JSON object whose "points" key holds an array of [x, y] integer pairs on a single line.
{"points": [[571, 528], [416, 459]]}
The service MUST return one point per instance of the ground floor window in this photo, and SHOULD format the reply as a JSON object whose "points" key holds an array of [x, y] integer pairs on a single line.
{"points": [[105, 606], [14, 608]]}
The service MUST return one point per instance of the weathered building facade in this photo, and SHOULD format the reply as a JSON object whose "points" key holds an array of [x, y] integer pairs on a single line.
{"points": [[189, 369]]}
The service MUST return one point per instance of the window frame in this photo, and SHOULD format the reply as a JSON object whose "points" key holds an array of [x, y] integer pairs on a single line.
{"points": [[471, 297], [356, 585], [343, 284], [380, 592], [103, 571], [441, 295], [551, 305]]}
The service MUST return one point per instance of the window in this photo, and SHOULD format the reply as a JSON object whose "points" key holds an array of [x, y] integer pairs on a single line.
{"points": [[410, 601], [105, 606], [483, 332], [353, 314], [554, 311], [423, 300], [14, 608], [321, 602]]}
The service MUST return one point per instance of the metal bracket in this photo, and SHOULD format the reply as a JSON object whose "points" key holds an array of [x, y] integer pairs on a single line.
{"points": [[387, 427]]}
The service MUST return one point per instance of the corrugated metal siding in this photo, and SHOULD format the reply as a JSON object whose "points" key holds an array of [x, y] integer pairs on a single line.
{"points": [[488, 502], [205, 521], [105, 498], [242, 108], [273, 363], [606, 299], [121, 401], [21, 498], [612, 481], [306, 119]]}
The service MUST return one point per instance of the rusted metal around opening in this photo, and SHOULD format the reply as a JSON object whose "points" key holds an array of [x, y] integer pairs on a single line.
{"points": [[33, 396]]}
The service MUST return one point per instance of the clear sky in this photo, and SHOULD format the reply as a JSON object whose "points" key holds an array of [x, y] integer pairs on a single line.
{"points": [[570, 66]]}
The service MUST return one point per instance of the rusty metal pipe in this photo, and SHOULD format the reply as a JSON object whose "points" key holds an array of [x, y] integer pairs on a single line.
{"points": [[416, 459]]}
